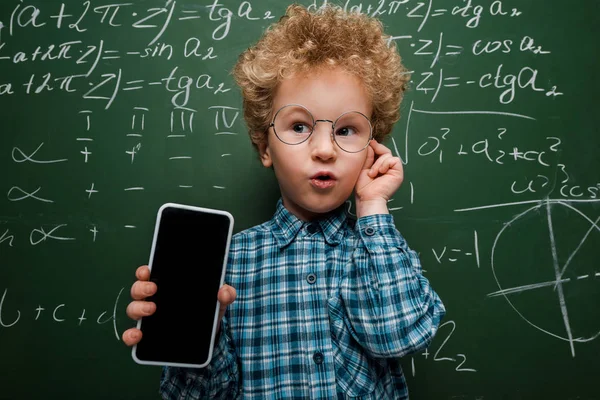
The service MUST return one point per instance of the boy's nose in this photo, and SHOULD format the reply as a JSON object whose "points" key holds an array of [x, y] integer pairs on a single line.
{"points": [[321, 142]]}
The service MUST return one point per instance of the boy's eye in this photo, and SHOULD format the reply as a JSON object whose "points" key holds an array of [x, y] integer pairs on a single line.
{"points": [[345, 131], [300, 128]]}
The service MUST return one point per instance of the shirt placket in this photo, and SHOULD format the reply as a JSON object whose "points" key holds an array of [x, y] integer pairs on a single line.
{"points": [[319, 354]]}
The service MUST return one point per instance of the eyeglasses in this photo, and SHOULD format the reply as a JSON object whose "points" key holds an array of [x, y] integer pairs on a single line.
{"points": [[293, 124]]}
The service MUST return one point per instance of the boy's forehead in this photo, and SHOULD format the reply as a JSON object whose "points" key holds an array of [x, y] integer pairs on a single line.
{"points": [[321, 89]]}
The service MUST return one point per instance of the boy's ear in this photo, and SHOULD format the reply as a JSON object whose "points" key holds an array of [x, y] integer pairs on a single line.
{"points": [[265, 154]]}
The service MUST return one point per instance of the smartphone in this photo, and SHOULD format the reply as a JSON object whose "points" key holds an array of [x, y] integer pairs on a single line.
{"points": [[187, 262]]}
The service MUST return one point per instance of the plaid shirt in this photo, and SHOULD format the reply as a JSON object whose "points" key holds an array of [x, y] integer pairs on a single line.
{"points": [[324, 309]]}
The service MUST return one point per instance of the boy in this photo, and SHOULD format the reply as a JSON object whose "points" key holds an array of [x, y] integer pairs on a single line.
{"points": [[318, 305]]}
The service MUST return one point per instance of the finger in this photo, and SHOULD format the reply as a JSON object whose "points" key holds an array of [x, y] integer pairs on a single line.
{"points": [[140, 290], [377, 165], [379, 148], [370, 157], [389, 163], [138, 309], [132, 336], [142, 273], [226, 295]]}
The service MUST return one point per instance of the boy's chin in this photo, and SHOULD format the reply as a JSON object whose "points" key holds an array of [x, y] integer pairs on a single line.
{"points": [[319, 208], [309, 206]]}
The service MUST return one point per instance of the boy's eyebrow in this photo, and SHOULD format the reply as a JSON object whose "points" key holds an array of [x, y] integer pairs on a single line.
{"points": [[313, 114]]}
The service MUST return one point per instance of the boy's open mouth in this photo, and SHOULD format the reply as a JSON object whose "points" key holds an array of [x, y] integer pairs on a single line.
{"points": [[323, 180], [323, 176]]}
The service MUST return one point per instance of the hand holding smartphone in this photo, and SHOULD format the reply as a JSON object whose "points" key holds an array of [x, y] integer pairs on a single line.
{"points": [[187, 263]]}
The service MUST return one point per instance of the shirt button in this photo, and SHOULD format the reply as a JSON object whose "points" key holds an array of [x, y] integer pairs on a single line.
{"points": [[369, 231], [311, 278], [318, 357], [312, 228]]}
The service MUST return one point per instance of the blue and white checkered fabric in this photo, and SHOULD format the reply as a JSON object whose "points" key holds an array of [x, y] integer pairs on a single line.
{"points": [[324, 310]]}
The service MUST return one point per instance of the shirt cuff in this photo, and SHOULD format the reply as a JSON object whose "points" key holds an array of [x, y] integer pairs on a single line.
{"points": [[378, 231]]}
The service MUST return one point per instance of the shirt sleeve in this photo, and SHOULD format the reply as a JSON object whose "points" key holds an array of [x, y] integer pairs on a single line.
{"points": [[391, 307], [218, 380]]}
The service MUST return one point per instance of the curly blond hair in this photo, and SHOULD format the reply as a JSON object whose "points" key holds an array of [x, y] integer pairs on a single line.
{"points": [[303, 41]]}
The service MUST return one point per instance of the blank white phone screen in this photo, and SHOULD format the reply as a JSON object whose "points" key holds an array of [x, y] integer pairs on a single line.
{"points": [[186, 266]]}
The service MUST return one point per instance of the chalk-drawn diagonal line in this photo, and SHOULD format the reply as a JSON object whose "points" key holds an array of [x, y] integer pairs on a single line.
{"points": [[559, 288], [519, 289], [594, 225]]}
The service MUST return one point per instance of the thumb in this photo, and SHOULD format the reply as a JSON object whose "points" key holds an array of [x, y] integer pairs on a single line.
{"points": [[226, 296]]}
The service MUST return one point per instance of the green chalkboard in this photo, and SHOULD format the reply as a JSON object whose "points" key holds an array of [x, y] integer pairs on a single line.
{"points": [[109, 110]]}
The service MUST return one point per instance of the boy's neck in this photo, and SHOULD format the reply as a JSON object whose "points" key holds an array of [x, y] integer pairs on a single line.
{"points": [[309, 216]]}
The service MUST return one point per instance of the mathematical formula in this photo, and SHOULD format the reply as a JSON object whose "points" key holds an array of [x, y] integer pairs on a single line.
{"points": [[168, 82], [55, 313]]}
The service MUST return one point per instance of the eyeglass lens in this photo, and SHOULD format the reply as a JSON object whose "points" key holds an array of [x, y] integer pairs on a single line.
{"points": [[293, 124]]}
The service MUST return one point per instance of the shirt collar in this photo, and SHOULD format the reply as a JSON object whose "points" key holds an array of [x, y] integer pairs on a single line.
{"points": [[286, 226]]}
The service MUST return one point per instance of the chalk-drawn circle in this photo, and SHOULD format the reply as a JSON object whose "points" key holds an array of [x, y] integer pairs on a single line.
{"points": [[519, 225]]}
